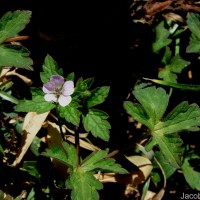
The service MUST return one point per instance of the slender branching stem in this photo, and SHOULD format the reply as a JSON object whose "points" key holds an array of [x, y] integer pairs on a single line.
{"points": [[60, 124]]}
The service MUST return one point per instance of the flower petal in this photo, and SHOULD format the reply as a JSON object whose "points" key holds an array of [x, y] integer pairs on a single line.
{"points": [[50, 97], [48, 88], [57, 80], [64, 101], [68, 88]]}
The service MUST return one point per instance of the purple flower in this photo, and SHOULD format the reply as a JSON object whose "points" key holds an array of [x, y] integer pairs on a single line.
{"points": [[58, 91]]}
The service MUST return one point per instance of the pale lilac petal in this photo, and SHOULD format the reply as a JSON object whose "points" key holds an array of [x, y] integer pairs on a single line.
{"points": [[64, 101], [50, 97], [68, 88], [48, 88], [57, 80]]}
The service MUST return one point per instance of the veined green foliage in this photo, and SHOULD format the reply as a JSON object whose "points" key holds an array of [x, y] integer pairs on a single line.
{"points": [[166, 167], [173, 66], [84, 185], [50, 68], [81, 180], [36, 104], [97, 161], [183, 117], [193, 22], [15, 55], [98, 96], [12, 23], [161, 38], [71, 113], [96, 123], [10, 26], [190, 172]]}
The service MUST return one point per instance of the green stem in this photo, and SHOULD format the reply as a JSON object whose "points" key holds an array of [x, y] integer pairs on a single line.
{"points": [[60, 124]]}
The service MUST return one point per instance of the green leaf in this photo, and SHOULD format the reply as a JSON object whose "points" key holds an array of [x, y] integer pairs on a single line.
{"points": [[8, 97], [83, 85], [194, 46], [12, 23], [96, 123], [193, 22], [150, 144], [93, 158], [7, 84], [37, 104], [31, 168], [84, 185], [136, 111], [170, 146], [166, 167], [97, 161], [175, 65], [184, 117], [180, 108], [98, 96], [58, 153], [36, 146], [145, 188], [189, 87], [153, 100], [1, 151], [31, 195], [71, 113], [71, 76], [15, 55], [50, 68], [161, 39], [167, 56], [72, 157], [167, 75], [191, 174]]}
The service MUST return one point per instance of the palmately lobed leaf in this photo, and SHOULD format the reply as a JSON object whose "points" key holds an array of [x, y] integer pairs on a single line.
{"points": [[71, 113], [84, 185], [153, 100], [12, 23], [96, 123]]}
